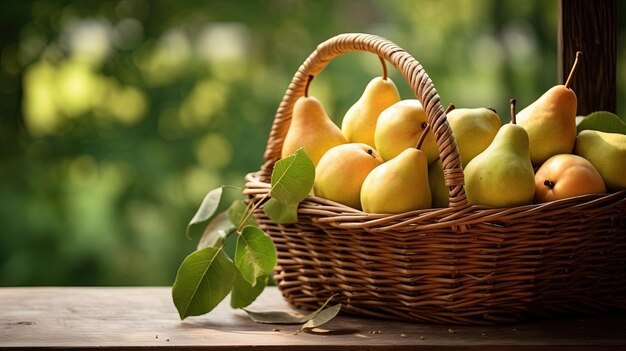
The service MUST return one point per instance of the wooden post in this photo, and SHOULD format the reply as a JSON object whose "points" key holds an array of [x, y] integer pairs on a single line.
{"points": [[589, 26]]}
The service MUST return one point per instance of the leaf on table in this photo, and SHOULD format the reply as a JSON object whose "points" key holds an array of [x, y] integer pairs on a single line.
{"points": [[603, 121], [207, 208], [238, 211], [203, 280], [216, 231], [277, 317], [323, 317], [292, 178], [281, 213], [243, 293], [255, 254], [284, 317]]}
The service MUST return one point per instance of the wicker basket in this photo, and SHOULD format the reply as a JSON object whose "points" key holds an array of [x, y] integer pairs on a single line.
{"points": [[463, 264]]}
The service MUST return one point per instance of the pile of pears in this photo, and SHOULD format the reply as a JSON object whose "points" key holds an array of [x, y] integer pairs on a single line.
{"points": [[385, 158]]}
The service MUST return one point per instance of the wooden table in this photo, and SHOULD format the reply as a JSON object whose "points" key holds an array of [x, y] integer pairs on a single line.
{"points": [[142, 317]]}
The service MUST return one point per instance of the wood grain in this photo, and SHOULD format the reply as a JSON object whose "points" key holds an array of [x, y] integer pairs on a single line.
{"points": [[591, 27], [142, 317]]}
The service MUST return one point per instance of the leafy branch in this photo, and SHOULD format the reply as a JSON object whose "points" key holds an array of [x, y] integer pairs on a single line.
{"points": [[212, 272]]}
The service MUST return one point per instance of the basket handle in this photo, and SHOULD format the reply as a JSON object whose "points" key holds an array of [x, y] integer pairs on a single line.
{"points": [[413, 73]]}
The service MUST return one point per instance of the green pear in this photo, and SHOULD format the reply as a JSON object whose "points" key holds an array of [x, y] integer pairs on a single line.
{"points": [[438, 188], [473, 130], [311, 128], [359, 121], [502, 175], [551, 121], [607, 153], [400, 126], [398, 185]]}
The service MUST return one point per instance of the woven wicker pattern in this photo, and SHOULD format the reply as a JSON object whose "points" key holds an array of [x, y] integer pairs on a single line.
{"points": [[463, 264]]}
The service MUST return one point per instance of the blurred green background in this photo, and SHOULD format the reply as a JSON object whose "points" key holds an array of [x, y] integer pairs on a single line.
{"points": [[116, 117]]}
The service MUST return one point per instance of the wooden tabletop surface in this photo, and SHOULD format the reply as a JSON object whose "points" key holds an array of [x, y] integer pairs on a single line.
{"points": [[135, 317]]}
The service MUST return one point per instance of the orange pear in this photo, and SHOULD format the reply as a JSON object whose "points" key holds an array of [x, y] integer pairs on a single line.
{"points": [[311, 128], [567, 175]]}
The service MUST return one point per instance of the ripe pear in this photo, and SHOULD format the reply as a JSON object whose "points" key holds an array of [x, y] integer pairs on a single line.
{"points": [[398, 185], [360, 121], [566, 175], [311, 128], [438, 188], [342, 170], [551, 121], [473, 130], [400, 126], [502, 175], [607, 153]]}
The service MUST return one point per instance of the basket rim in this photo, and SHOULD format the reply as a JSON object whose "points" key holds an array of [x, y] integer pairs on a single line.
{"points": [[343, 216]]}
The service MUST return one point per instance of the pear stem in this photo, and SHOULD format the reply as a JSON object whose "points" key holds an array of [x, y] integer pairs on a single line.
{"points": [[449, 108], [513, 121], [579, 56], [426, 127], [423, 136], [306, 87], [382, 62]]}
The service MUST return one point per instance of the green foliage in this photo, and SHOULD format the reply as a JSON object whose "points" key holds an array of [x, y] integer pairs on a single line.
{"points": [[255, 255], [292, 178], [292, 181], [204, 279], [244, 272]]}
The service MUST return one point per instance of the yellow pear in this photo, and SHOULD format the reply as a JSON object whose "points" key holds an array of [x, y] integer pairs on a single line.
{"points": [[438, 188], [502, 175], [311, 128], [473, 130], [551, 121], [398, 185], [607, 153], [400, 126], [360, 121], [342, 170]]}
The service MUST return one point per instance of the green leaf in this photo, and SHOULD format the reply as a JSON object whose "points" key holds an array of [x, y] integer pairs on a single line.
{"points": [[244, 293], [292, 178], [207, 208], [216, 231], [281, 213], [283, 317], [238, 211], [255, 255], [603, 121], [322, 317], [203, 280]]}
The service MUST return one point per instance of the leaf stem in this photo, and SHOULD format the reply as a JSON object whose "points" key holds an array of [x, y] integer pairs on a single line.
{"points": [[249, 212]]}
